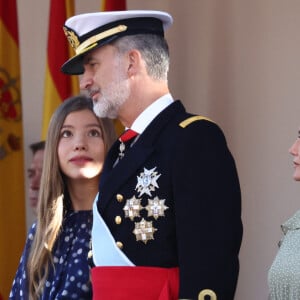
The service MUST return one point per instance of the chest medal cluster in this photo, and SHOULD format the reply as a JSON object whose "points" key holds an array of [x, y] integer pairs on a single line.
{"points": [[146, 184]]}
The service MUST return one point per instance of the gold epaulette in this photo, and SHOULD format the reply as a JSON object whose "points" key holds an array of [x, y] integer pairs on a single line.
{"points": [[190, 120]]}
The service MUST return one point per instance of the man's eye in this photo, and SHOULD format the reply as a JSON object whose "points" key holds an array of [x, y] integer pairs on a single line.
{"points": [[92, 64], [30, 174]]}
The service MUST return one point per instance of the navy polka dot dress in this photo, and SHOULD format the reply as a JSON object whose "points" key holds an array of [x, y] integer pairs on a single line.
{"points": [[70, 277]]}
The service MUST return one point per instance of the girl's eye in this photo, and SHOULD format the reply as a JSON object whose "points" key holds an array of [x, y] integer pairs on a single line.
{"points": [[95, 133], [66, 133]]}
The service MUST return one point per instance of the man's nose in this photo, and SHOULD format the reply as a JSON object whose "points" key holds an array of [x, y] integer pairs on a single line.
{"points": [[86, 81], [34, 182]]}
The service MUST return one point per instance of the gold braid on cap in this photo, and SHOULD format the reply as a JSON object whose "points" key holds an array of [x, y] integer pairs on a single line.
{"points": [[98, 37], [72, 37]]}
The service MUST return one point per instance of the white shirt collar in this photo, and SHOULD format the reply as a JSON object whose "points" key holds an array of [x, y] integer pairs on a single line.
{"points": [[146, 117]]}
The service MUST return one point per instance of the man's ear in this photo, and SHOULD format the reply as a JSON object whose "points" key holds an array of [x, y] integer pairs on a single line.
{"points": [[134, 62]]}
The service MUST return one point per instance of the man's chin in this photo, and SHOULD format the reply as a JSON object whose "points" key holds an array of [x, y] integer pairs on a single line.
{"points": [[99, 110], [102, 112], [33, 203]]}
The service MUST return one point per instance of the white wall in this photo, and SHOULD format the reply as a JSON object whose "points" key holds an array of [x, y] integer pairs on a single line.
{"points": [[236, 62]]}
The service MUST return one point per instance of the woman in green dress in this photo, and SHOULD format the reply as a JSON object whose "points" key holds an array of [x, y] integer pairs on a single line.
{"points": [[284, 274]]}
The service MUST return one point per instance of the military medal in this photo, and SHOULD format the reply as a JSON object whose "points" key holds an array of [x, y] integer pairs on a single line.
{"points": [[121, 150], [146, 184], [147, 181], [128, 135], [156, 208], [132, 208], [144, 231]]}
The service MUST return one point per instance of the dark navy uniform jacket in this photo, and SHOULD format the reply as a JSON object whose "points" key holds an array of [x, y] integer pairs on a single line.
{"points": [[185, 181]]}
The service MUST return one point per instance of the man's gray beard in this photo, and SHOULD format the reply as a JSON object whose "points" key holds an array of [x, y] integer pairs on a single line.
{"points": [[107, 109], [113, 96], [103, 109], [111, 100]]}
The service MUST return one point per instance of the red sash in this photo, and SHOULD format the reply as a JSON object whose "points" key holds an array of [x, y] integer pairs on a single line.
{"points": [[135, 283]]}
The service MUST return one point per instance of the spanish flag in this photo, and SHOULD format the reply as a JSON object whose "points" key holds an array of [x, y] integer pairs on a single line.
{"points": [[12, 198], [58, 86], [109, 5]]}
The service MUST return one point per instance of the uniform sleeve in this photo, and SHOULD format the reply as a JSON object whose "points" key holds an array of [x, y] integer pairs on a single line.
{"points": [[19, 288], [208, 212]]}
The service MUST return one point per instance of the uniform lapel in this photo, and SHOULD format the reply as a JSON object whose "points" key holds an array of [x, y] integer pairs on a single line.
{"points": [[117, 175], [112, 178], [108, 164]]}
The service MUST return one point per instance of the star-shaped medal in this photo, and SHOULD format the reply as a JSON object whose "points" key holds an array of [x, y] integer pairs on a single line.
{"points": [[156, 208], [144, 231], [147, 182], [132, 208]]}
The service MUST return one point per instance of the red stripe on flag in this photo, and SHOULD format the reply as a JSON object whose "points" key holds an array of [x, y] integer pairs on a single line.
{"points": [[58, 51], [10, 19], [12, 214], [58, 86], [114, 5]]}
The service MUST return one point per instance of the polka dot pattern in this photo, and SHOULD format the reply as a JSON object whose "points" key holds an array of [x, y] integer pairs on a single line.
{"points": [[70, 277], [284, 274]]}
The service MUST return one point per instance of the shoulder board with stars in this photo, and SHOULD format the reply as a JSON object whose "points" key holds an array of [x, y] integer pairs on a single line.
{"points": [[190, 120]]}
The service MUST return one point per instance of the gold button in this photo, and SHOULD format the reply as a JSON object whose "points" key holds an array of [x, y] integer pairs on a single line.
{"points": [[119, 245], [119, 197], [118, 220], [207, 292]]}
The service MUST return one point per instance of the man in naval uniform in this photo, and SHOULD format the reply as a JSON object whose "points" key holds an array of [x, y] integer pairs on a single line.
{"points": [[167, 219]]}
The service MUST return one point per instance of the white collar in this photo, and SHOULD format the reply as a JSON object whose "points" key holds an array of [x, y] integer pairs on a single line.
{"points": [[146, 117]]}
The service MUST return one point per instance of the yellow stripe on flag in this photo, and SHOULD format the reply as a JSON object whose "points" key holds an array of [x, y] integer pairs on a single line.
{"points": [[12, 199], [52, 100]]}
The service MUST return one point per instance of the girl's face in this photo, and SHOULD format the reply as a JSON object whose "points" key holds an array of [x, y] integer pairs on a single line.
{"points": [[295, 151], [81, 146]]}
